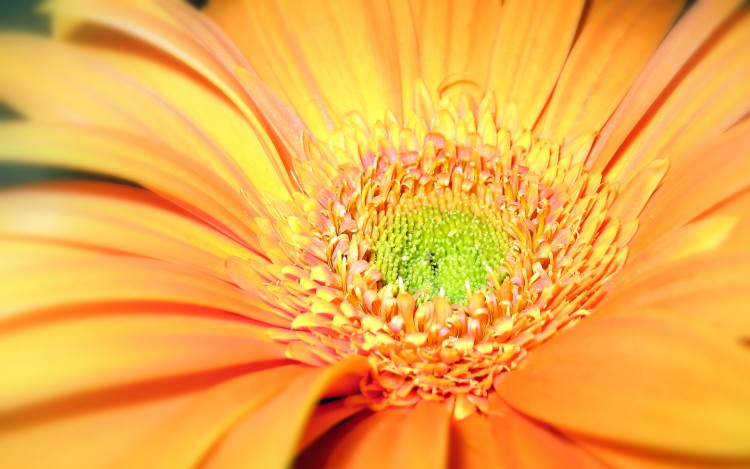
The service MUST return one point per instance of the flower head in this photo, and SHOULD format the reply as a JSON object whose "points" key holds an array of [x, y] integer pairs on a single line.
{"points": [[418, 235]]}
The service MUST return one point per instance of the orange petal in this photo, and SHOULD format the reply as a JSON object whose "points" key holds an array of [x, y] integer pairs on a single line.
{"points": [[40, 285], [90, 439], [532, 43], [702, 236], [276, 427], [116, 218], [184, 439], [166, 172], [525, 443], [615, 42], [345, 55], [473, 445], [708, 175], [686, 37], [624, 456], [712, 96], [709, 288], [649, 381], [326, 416], [121, 345], [416, 437], [454, 57], [171, 28]]}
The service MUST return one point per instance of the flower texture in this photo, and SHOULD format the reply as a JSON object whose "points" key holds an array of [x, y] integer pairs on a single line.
{"points": [[378, 234]]}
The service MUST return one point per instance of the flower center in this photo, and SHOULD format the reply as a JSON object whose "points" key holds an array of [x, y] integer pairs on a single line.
{"points": [[442, 252], [439, 252]]}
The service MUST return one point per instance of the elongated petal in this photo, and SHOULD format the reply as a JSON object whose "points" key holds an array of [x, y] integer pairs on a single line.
{"points": [[416, 437], [615, 42], [525, 443], [649, 381], [473, 445], [326, 416], [532, 43], [690, 33], [174, 29], [713, 96], [41, 285], [90, 439], [156, 167], [455, 57], [703, 179], [710, 289], [184, 439], [116, 218], [276, 427], [345, 55], [119, 346]]}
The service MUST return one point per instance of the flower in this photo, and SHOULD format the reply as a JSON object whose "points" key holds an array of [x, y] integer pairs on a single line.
{"points": [[378, 234]]}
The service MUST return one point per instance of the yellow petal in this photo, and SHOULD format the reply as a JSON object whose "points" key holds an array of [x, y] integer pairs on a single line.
{"points": [[345, 54], [116, 218], [454, 57], [171, 28], [118, 346], [41, 285], [531, 45], [615, 42], [169, 173], [644, 380]]}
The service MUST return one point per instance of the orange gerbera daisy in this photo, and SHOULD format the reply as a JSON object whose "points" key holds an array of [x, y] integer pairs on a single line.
{"points": [[379, 234]]}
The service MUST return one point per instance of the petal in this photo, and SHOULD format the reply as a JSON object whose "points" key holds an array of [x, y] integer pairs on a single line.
{"points": [[415, 437], [688, 35], [177, 31], [615, 42], [455, 57], [643, 380], [473, 445], [170, 174], [344, 54], [41, 285], [624, 456], [327, 416], [710, 289], [532, 43], [712, 96], [116, 218], [525, 443], [121, 345], [707, 176], [184, 439], [92, 438], [275, 427]]}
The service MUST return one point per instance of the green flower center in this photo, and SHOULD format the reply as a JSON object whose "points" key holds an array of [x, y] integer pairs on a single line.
{"points": [[439, 252]]}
